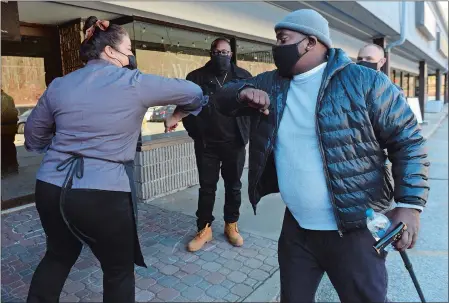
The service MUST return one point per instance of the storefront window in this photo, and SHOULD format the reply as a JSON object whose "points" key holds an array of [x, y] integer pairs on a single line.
{"points": [[416, 87], [168, 52], [405, 85], [254, 57], [397, 78], [411, 86], [431, 86], [173, 52], [23, 79]]}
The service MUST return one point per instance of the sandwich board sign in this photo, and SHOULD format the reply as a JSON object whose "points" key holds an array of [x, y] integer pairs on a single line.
{"points": [[416, 109]]}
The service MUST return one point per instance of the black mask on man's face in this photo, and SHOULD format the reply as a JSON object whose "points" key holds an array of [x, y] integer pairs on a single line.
{"points": [[286, 56], [131, 59], [221, 64], [368, 64]]}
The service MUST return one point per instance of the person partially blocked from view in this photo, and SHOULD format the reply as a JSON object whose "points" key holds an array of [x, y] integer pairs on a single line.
{"points": [[219, 146], [85, 187], [318, 138], [9, 117], [373, 56]]}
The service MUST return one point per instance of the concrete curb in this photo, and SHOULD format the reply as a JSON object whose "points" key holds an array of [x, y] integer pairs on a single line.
{"points": [[268, 291]]}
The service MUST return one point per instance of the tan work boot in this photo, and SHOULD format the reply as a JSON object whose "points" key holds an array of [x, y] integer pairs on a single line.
{"points": [[232, 233], [201, 238]]}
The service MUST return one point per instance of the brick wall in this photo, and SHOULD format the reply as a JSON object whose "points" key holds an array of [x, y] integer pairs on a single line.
{"points": [[165, 169]]}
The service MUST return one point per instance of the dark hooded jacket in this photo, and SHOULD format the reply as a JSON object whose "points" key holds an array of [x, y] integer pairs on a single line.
{"points": [[359, 113]]}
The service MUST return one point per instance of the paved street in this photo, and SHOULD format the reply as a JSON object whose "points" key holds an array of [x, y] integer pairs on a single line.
{"points": [[221, 272], [218, 273]]}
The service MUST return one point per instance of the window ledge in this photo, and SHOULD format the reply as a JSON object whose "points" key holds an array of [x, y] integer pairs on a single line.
{"points": [[163, 140]]}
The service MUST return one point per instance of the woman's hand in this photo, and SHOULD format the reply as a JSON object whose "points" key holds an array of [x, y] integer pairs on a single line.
{"points": [[171, 122]]}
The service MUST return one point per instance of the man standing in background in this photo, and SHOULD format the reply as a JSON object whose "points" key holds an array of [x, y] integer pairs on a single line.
{"points": [[8, 135], [219, 145], [372, 56]]}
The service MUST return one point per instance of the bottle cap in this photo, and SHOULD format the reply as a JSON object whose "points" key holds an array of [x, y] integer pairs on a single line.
{"points": [[369, 213]]}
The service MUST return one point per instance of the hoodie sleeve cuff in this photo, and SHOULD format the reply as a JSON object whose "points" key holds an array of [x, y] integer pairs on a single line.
{"points": [[406, 205]]}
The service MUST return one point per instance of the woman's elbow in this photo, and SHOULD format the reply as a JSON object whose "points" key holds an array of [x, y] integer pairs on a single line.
{"points": [[195, 91]]}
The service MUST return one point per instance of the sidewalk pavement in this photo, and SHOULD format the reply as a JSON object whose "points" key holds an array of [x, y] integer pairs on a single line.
{"points": [[221, 272]]}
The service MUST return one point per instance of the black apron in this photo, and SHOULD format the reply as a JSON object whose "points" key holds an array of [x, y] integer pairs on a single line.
{"points": [[76, 169]]}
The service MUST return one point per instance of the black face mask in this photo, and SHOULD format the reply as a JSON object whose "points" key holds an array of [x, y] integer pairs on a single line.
{"points": [[286, 56], [221, 64], [368, 64], [132, 61]]}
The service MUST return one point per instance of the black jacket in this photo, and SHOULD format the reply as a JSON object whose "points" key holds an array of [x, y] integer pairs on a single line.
{"points": [[359, 114], [203, 77]]}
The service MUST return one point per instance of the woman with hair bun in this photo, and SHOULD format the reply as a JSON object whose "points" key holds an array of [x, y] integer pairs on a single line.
{"points": [[87, 123]]}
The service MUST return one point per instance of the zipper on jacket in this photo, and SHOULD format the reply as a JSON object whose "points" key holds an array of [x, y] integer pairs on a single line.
{"points": [[323, 158], [273, 136]]}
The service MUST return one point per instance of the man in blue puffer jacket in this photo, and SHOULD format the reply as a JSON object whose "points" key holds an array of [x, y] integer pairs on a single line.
{"points": [[319, 125]]}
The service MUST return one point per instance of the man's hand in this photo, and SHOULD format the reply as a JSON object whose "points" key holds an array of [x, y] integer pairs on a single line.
{"points": [[171, 122], [256, 98], [410, 217]]}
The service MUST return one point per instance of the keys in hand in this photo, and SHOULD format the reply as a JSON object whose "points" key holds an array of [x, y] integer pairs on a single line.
{"points": [[256, 98]]}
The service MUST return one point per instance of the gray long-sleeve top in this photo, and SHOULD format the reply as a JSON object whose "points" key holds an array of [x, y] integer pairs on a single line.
{"points": [[97, 111]]}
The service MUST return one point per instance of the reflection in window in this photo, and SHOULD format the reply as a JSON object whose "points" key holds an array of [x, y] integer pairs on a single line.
{"points": [[431, 86], [405, 85], [254, 57], [23, 78], [397, 78], [411, 86]]}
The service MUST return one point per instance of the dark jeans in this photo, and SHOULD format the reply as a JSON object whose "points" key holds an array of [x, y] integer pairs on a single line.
{"points": [[230, 158], [105, 216], [354, 268], [8, 155]]}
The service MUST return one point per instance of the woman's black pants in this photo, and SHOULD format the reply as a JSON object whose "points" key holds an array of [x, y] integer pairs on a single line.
{"points": [[106, 218]]}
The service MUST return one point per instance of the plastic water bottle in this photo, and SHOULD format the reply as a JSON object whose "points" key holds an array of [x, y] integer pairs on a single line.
{"points": [[377, 223]]}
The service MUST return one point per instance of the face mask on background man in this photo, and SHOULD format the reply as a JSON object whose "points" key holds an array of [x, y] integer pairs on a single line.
{"points": [[221, 63], [372, 65]]}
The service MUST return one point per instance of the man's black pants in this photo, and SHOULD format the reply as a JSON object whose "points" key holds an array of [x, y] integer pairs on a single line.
{"points": [[230, 158], [105, 216], [354, 268]]}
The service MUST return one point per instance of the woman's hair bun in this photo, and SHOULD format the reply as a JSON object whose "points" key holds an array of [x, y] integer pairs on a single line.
{"points": [[89, 22]]}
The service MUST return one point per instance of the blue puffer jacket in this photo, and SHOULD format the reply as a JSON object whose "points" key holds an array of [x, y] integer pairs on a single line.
{"points": [[359, 113]]}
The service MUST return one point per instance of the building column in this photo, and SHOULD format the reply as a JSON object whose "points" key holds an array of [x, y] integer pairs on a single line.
{"points": [[422, 97], [438, 85], [408, 86], [401, 80], [445, 89], [71, 36], [382, 42], [234, 50]]}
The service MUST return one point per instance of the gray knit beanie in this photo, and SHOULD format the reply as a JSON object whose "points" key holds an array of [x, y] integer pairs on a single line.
{"points": [[307, 22]]}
